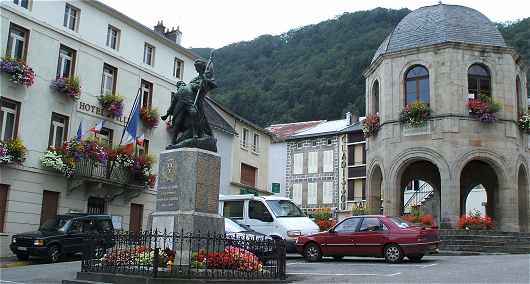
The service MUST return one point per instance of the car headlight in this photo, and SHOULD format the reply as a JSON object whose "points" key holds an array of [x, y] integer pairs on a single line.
{"points": [[38, 242], [294, 233], [14, 240]]}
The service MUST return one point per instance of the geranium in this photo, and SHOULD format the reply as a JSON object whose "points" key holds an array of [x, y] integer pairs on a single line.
{"points": [[231, 258], [323, 219], [19, 72], [68, 86], [476, 222], [426, 219], [484, 108], [415, 114], [57, 161], [12, 151], [150, 117], [371, 125], [524, 122], [112, 103]]}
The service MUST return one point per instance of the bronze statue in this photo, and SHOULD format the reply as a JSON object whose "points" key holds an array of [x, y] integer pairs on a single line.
{"points": [[188, 120]]}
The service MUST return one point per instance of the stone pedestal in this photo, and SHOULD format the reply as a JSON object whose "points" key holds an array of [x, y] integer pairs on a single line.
{"points": [[188, 192]]}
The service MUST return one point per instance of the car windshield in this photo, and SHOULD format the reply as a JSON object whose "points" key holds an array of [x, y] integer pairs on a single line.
{"points": [[233, 227], [285, 208], [402, 223], [55, 224]]}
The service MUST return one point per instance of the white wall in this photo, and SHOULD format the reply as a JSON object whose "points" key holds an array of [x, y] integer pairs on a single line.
{"points": [[277, 166], [224, 149]]}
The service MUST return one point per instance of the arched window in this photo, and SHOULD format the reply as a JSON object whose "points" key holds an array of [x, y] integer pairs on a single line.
{"points": [[417, 85], [478, 81], [375, 97], [518, 93]]}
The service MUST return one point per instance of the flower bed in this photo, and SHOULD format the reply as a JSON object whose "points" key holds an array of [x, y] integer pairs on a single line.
{"points": [[12, 151], [112, 104], [371, 125], [415, 114], [476, 222], [484, 108], [231, 258], [68, 86], [426, 219], [150, 117], [19, 72], [323, 219], [524, 122]]}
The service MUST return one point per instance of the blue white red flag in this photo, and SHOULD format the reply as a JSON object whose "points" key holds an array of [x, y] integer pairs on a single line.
{"points": [[132, 126], [98, 127]]}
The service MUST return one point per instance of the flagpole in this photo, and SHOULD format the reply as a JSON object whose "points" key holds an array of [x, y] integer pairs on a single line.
{"points": [[136, 101]]}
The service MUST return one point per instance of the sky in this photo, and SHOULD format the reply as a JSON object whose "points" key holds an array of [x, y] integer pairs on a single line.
{"points": [[216, 23]]}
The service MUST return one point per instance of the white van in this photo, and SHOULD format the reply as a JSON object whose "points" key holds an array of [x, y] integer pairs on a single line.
{"points": [[275, 216]]}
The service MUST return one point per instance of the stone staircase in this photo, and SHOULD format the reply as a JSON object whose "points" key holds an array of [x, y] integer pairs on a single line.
{"points": [[485, 241]]}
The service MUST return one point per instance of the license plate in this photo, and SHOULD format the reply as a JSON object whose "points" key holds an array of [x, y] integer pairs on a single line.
{"points": [[22, 248]]}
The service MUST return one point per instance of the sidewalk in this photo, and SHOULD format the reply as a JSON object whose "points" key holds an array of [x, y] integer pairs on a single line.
{"points": [[11, 261]]}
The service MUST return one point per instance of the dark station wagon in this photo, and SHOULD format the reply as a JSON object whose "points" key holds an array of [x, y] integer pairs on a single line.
{"points": [[65, 234]]}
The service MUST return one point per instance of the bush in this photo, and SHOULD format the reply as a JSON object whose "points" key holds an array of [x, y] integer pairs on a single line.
{"points": [[426, 219]]}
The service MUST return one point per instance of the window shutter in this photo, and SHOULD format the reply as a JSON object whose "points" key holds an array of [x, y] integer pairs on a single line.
{"points": [[312, 162], [297, 193], [312, 193], [327, 192], [359, 149], [358, 189], [328, 161], [298, 163]]}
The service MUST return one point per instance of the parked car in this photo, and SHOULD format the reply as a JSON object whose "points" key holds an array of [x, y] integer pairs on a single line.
{"points": [[274, 216], [244, 237], [373, 235], [65, 234]]}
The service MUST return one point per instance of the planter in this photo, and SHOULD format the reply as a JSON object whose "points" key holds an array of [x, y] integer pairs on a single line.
{"points": [[484, 109], [150, 117], [415, 114], [371, 125], [69, 87], [112, 104], [19, 73], [524, 122]]}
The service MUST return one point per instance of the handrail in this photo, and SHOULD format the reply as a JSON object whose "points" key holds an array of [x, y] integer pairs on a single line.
{"points": [[417, 192]]}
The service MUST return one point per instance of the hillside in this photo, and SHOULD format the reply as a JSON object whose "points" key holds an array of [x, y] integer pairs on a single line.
{"points": [[314, 72]]}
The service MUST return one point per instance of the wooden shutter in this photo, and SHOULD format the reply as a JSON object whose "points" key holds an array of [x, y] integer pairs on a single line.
{"points": [[3, 205], [136, 217], [298, 163], [327, 192], [312, 193], [248, 175], [359, 154], [312, 161], [50, 202], [297, 193], [328, 161]]}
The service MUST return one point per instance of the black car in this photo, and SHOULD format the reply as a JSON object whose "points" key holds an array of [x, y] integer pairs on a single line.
{"points": [[244, 237], [66, 234]]}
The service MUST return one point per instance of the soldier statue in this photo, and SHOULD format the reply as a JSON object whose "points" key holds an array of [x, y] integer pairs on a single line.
{"points": [[188, 120]]}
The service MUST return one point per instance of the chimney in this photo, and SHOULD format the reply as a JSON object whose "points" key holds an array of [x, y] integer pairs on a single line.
{"points": [[160, 28], [174, 35], [351, 118]]}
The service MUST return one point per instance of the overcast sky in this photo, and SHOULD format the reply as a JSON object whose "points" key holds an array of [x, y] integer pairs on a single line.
{"points": [[216, 23]]}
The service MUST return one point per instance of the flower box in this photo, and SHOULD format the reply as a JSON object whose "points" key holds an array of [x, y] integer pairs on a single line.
{"points": [[12, 151], [524, 122], [19, 72], [415, 114], [371, 125], [150, 117], [112, 104], [67, 86], [484, 108]]}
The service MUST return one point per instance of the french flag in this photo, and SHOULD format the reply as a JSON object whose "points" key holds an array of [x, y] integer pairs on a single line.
{"points": [[98, 127], [140, 140], [132, 126], [80, 131]]}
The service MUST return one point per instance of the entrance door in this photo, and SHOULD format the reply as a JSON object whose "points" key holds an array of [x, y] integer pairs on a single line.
{"points": [[341, 240], [136, 215], [96, 205], [3, 205], [50, 202]]}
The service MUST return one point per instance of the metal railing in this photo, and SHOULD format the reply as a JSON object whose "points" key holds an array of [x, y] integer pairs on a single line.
{"points": [[418, 197], [109, 171], [186, 255]]}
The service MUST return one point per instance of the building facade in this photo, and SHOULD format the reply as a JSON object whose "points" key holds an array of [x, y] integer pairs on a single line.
{"points": [[444, 64], [111, 54]]}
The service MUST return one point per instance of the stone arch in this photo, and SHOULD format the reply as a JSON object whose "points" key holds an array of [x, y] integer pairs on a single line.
{"points": [[522, 197], [375, 187]]}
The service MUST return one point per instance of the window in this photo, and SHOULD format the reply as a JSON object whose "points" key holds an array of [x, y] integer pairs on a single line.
{"points": [[108, 82], [519, 94], [312, 193], [329, 141], [149, 54], [96, 205], [356, 154], [113, 37], [312, 162], [314, 143], [298, 163], [299, 145], [356, 189], [22, 3], [233, 209], [105, 136], [178, 68], [328, 161], [144, 149], [417, 85], [327, 192], [147, 94], [9, 116], [248, 175], [371, 225], [348, 225], [58, 130], [244, 138], [71, 17], [375, 97], [258, 210], [255, 145], [66, 63], [478, 81], [17, 43], [3, 205], [297, 193]]}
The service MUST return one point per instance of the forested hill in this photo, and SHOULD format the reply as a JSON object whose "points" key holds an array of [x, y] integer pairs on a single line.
{"points": [[314, 72]]}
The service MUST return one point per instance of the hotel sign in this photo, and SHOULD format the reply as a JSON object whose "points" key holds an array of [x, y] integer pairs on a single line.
{"points": [[98, 111]]}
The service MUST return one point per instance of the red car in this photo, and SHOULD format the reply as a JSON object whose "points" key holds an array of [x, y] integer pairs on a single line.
{"points": [[373, 235]]}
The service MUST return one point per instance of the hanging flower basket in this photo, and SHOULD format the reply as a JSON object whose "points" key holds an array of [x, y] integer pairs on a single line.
{"points": [[415, 114], [68, 86], [19, 72], [112, 104], [484, 108], [12, 151], [371, 125], [524, 122], [150, 117]]}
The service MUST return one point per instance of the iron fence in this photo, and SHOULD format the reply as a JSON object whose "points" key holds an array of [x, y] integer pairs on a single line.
{"points": [[186, 255], [105, 171]]}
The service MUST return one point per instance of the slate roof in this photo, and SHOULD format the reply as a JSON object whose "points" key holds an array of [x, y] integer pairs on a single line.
{"points": [[286, 130], [216, 120], [440, 24]]}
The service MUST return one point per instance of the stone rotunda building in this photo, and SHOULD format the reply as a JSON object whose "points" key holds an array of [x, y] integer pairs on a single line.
{"points": [[443, 55]]}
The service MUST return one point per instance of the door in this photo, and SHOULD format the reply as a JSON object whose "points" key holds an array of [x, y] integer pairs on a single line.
{"points": [[50, 202], [96, 205], [371, 237], [136, 215], [3, 205], [340, 241], [259, 217]]}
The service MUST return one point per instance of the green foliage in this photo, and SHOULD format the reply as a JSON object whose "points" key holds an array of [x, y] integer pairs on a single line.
{"points": [[322, 214], [517, 35]]}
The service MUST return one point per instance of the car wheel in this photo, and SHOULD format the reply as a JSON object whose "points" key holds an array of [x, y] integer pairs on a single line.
{"points": [[338, 257], [22, 256], [415, 258], [54, 254], [312, 252], [393, 254]]}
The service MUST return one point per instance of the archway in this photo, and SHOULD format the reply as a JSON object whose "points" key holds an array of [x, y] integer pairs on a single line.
{"points": [[476, 174], [522, 197], [376, 194], [420, 186]]}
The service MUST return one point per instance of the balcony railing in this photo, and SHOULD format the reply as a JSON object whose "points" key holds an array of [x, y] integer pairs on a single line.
{"points": [[105, 172]]}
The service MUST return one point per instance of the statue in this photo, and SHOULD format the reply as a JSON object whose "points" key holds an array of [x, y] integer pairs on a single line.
{"points": [[188, 120]]}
